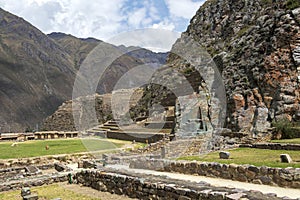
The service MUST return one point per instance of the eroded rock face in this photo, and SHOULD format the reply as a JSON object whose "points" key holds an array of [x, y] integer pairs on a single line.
{"points": [[256, 45]]}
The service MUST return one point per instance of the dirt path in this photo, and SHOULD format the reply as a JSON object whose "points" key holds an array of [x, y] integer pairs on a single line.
{"points": [[92, 192], [279, 191]]}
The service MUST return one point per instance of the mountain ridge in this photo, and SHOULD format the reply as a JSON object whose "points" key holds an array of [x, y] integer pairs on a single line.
{"points": [[36, 74], [38, 71]]}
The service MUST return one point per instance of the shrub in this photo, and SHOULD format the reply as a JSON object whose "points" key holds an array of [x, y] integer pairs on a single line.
{"points": [[286, 128], [292, 4]]}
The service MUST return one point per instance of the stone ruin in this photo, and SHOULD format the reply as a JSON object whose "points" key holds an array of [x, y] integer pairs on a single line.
{"points": [[192, 117]]}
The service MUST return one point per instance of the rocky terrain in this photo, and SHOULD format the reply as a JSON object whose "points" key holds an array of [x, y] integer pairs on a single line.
{"points": [[256, 47]]}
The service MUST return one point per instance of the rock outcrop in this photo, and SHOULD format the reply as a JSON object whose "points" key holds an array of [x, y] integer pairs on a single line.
{"points": [[255, 46]]}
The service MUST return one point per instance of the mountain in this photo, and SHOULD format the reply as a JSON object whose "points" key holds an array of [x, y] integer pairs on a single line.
{"points": [[62, 118], [255, 46], [36, 74], [38, 70], [77, 48]]}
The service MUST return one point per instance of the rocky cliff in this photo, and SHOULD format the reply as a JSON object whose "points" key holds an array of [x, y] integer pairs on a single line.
{"points": [[256, 48], [255, 45]]}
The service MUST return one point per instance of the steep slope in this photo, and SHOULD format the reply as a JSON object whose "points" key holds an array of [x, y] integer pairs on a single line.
{"points": [[77, 48], [36, 74], [256, 47]]}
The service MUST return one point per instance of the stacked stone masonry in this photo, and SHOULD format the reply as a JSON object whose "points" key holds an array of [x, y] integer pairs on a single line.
{"points": [[273, 146], [144, 187], [288, 177], [45, 180]]}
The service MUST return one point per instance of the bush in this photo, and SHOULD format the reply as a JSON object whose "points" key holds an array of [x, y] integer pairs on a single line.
{"points": [[286, 128], [29, 130], [292, 4]]}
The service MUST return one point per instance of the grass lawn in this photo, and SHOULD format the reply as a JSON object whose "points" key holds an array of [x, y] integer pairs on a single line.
{"points": [[62, 146], [290, 141], [257, 157], [48, 192]]}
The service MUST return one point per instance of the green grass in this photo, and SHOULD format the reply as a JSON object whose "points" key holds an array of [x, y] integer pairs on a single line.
{"points": [[292, 4], [62, 146], [257, 157], [289, 141], [48, 192]]}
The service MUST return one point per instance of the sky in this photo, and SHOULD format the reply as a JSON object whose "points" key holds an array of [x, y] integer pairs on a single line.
{"points": [[103, 19]]}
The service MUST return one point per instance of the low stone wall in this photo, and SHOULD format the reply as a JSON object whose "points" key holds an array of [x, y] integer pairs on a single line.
{"points": [[18, 172], [42, 161], [138, 137], [45, 180], [273, 146], [153, 187], [288, 177]]}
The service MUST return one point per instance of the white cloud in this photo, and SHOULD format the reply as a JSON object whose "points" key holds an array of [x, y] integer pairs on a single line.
{"points": [[137, 18], [166, 24], [183, 8], [159, 40], [101, 18], [89, 18]]}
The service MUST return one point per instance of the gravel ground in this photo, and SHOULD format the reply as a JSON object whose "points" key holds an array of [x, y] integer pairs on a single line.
{"points": [[93, 193]]}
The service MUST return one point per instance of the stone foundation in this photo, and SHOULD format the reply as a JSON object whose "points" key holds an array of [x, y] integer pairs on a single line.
{"points": [[43, 160], [273, 146], [288, 177], [45, 180], [144, 187]]}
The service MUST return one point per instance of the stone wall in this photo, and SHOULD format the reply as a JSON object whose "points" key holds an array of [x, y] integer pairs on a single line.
{"points": [[42, 160], [273, 146], [288, 177], [45, 180], [153, 187], [138, 137]]}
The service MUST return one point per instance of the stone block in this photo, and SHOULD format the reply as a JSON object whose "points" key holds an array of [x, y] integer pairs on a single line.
{"points": [[285, 158], [224, 155], [184, 198], [25, 191], [253, 169], [32, 169], [235, 196], [60, 167], [31, 197]]}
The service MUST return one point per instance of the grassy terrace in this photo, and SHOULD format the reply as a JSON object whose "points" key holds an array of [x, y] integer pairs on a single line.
{"points": [[63, 146], [288, 141], [257, 157], [48, 192]]}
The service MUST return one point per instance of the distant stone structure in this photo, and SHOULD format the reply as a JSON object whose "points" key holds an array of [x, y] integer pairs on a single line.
{"points": [[55, 134], [17, 136]]}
